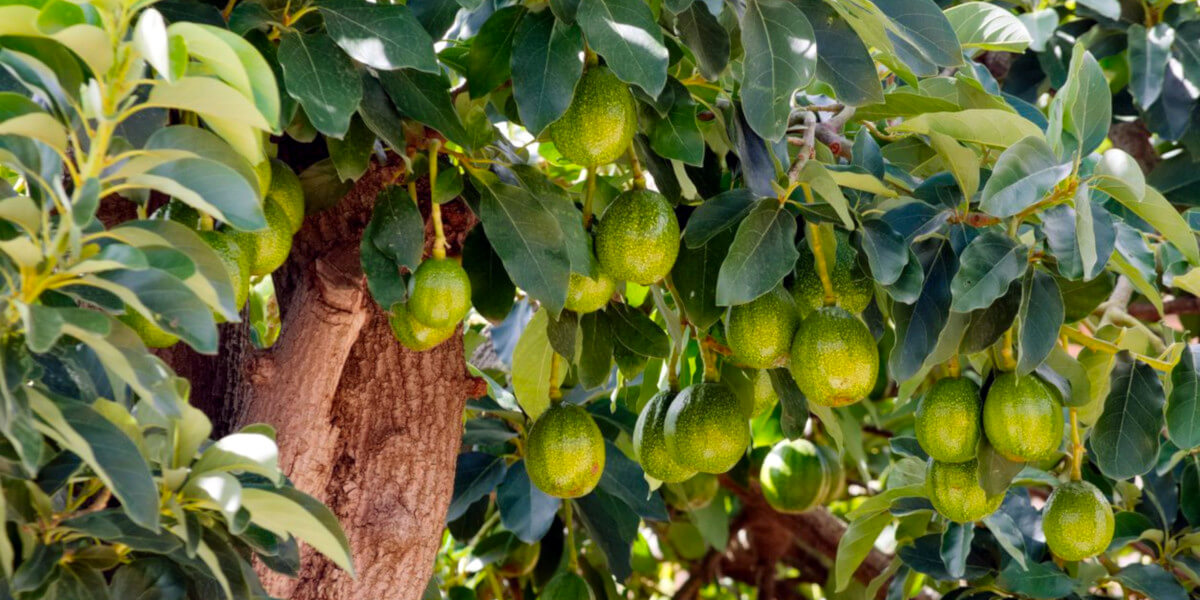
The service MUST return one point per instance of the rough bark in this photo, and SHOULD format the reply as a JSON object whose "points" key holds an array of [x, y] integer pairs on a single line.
{"points": [[363, 424]]}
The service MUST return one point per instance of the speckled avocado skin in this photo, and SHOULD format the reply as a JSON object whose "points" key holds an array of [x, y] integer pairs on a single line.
{"points": [[948, 420], [793, 476], [760, 332], [441, 293], [1023, 418], [1078, 521], [599, 123], [706, 428], [852, 289], [637, 238], [413, 334], [564, 454], [834, 358], [589, 294], [650, 445], [955, 492]]}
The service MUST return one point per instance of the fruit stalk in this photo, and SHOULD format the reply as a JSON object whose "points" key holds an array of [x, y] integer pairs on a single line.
{"points": [[435, 210], [822, 267], [555, 392], [639, 178], [1076, 447], [569, 519], [589, 190]]}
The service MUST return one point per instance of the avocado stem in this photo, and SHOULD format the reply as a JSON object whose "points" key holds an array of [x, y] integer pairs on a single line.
{"points": [[639, 178], [555, 392], [709, 358], [435, 209], [952, 367], [1076, 447], [1006, 351], [814, 241], [569, 518], [589, 190]]}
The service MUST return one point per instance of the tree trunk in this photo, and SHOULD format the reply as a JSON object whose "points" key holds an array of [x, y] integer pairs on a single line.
{"points": [[363, 424]]}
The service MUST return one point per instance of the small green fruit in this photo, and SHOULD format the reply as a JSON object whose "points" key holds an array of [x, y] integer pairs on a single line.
{"points": [[586, 294], [1023, 418], [413, 334], [285, 190], [564, 454], [1078, 521], [267, 248], [852, 289], [694, 493], [834, 358], [760, 332], [599, 124], [706, 428], [753, 388], [955, 492], [236, 262], [650, 446], [152, 335], [637, 238], [441, 293], [793, 476], [947, 420], [835, 475]]}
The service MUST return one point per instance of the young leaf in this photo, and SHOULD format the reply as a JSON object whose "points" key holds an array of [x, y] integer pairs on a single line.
{"points": [[287, 511], [856, 543], [532, 367], [1088, 109], [984, 26]]}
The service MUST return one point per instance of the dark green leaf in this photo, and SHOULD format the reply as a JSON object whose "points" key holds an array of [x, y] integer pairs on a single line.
{"points": [[383, 274], [492, 291], [707, 39], [476, 475], [524, 509], [379, 35], [956, 545], [677, 136], [176, 309], [637, 333], [397, 228], [717, 214], [112, 525], [1183, 405], [595, 361], [152, 578], [762, 253], [1042, 581], [694, 277], [995, 471], [566, 585], [987, 325], [988, 266], [924, 33], [1024, 173], [625, 34], [426, 98], [919, 325], [351, 155], [489, 61], [612, 526], [1152, 581], [1149, 50], [625, 479], [547, 61], [1040, 318], [563, 332], [35, 570], [1007, 534], [1125, 440], [208, 186], [781, 56], [843, 61], [886, 250], [322, 79]]}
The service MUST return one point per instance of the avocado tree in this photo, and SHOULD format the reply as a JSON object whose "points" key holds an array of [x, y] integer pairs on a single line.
{"points": [[600, 299]]}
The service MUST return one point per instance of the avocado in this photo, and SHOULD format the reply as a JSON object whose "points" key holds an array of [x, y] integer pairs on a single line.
{"points": [[440, 293], [948, 420], [852, 289], [599, 124], [1023, 418], [564, 454], [649, 444], [760, 332], [793, 476], [955, 492], [706, 428], [637, 238], [1077, 521], [834, 359]]}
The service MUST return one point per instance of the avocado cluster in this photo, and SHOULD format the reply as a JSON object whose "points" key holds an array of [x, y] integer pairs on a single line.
{"points": [[702, 429], [244, 254]]}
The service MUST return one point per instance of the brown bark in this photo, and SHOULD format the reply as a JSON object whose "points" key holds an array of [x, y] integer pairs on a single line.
{"points": [[363, 424]]}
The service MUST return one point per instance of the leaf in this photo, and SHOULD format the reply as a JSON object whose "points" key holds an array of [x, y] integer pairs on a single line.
{"points": [[289, 512], [1149, 50], [707, 39], [426, 98], [612, 526], [988, 265], [625, 479], [1008, 535], [762, 253], [232, 58], [244, 452], [694, 278], [984, 26], [492, 291], [596, 356], [1158, 212], [169, 302], [919, 325], [1042, 581], [1152, 581], [886, 250], [547, 62], [475, 476], [856, 543], [1039, 320], [529, 240], [1119, 175], [1023, 174], [1183, 405], [524, 509], [531, 367], [636, 332], [921, 32], [956, 545], [843, 61], [208, 186], [1125, 439], [677, 136], [397, 229], [1087, 112], [986, 126], [962, 162], [490, 57], [780, 57], [716, 215], [381, 36], [322, 79], [625, 34], [116, 460]]}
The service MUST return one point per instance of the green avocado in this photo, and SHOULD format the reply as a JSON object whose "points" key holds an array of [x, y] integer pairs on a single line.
{"points": [[1077, 521], [753, 388], [650, 446], [412, 333], [285, 191], [441, 293], [637, 238], [237, 264], [1023, 418], [599, 124], [267, 248], [151, 334], [706, 428], [834, 358], [760, 332], [948, 420], [956, 494], [564, 454], [694, 493], [852, 289], [587, 294], [793, 476]]}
